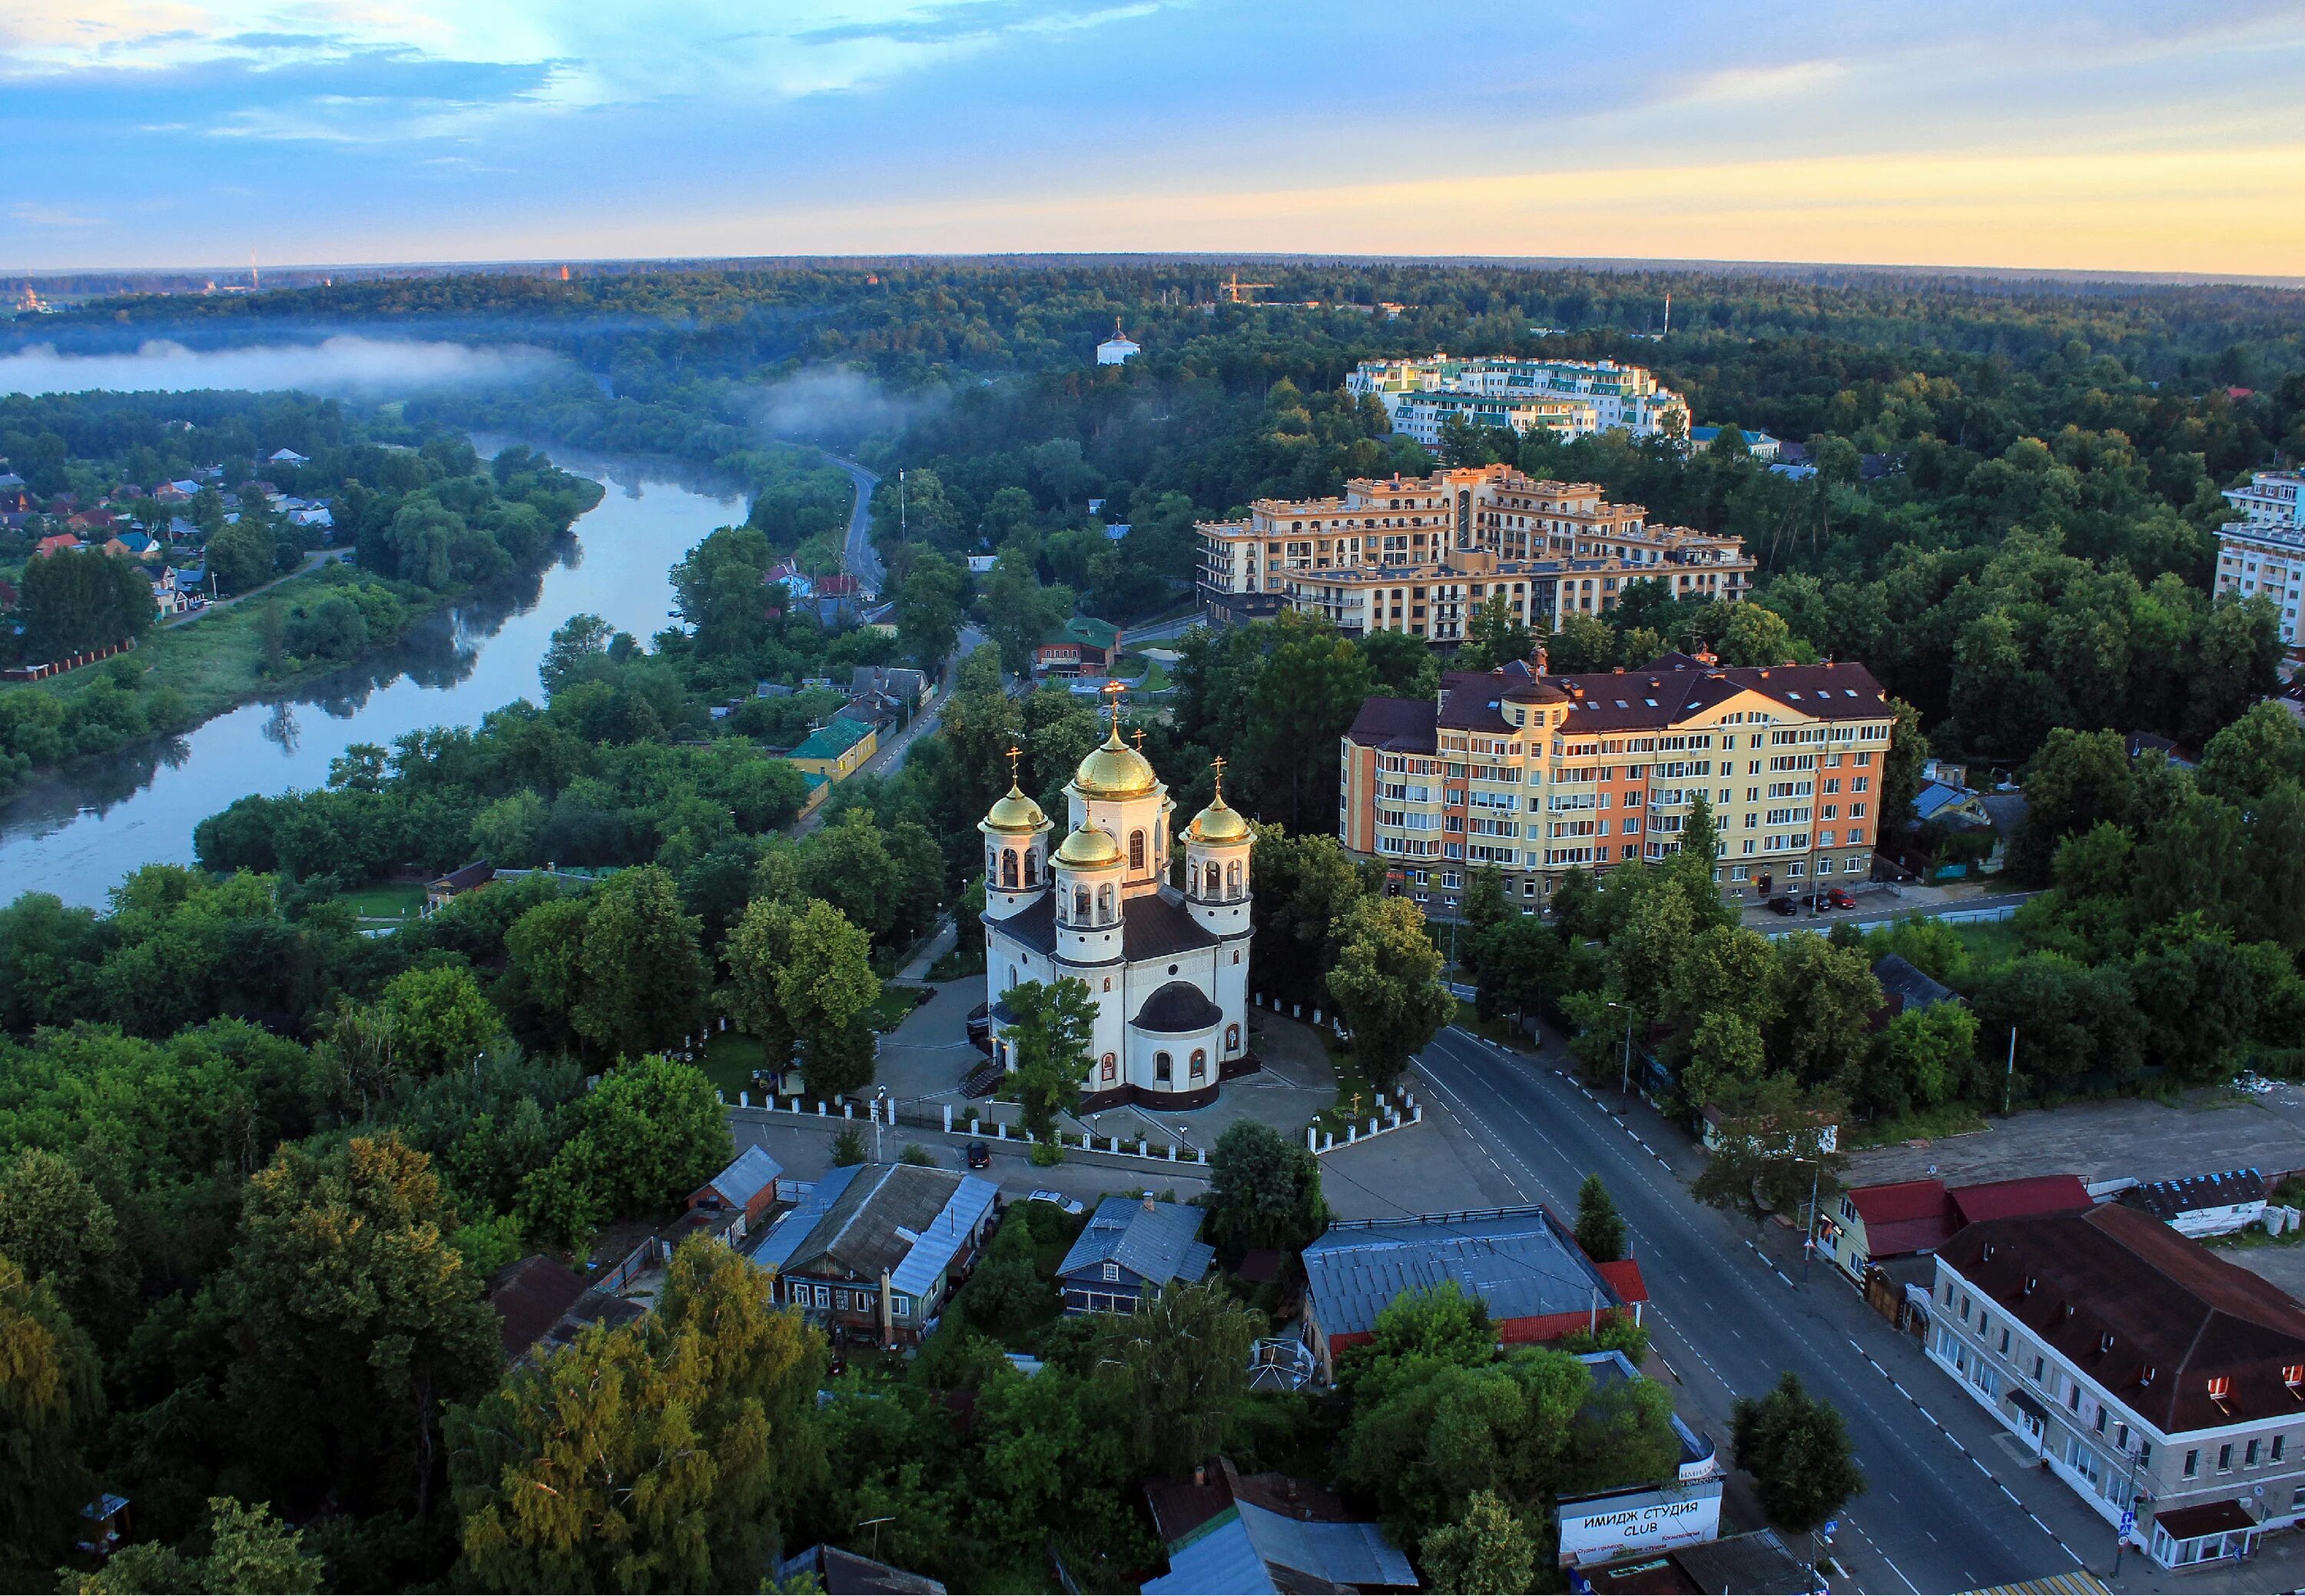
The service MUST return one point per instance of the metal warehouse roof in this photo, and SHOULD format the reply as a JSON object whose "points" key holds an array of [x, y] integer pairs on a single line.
{"points": [[1516, 1260]]}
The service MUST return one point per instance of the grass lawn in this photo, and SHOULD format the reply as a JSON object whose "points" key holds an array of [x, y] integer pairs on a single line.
{"points": [[894, 1003], [1929, 1124], [1353, 1087], [1991, 943], [959, 963], [729, 1059], [388, 902]]}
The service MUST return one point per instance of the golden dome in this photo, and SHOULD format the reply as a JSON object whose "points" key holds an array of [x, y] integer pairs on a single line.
{"points": [[1218, 823], [1114, 770], [1090, 847], [1016, 812]]}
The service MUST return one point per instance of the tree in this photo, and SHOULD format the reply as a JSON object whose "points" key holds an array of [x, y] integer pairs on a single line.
{"points": [[1901, 768], [1772, 1152], [440, 1021], [250, 1552], [1756, 636], [1265, 1189], [352, 1323], [83, 599], [2254, 754], [59, 1232], [758, 949], [1184, 1357], [1931, 1051], [1306, 889], [1387, 984], [650, 1133], [1599, 1228], [240, 557], [1019, 611], [577, 642], [1494, 636], [928, 611], [1049, 1044], [1489, 1550], [827, 989], [658, 1456], [51, 1400], [848, 866], [1291, 750], [2077, 780], [643, 985], [1825, 1001], [1797, 1449]]}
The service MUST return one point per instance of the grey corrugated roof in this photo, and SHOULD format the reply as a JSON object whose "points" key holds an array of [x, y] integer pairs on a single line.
{"points": [[1517, 1263], [1224, 1559], [746, 1175], [1156, 1242], [1900, 978], [906, 1218], [1349, 1554]]}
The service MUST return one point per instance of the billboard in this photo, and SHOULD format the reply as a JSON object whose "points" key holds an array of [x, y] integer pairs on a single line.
{"points": [[1605, 1526]]}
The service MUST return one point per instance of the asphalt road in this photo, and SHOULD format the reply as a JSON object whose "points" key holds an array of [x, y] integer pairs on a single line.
{"points": [[863, 560], [1940, 1514]]}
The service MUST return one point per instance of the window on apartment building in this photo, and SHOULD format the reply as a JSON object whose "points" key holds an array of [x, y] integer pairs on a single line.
{"points": [[2248, 1455], [2004, 1340], [2277, 1441], [2039, 1365], [2193, 1463], [2100, 1425], [2224, 1458]]}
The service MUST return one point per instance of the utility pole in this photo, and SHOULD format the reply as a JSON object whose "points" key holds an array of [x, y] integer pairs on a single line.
{"points": [[1808, 1241], [2008, 1077]]}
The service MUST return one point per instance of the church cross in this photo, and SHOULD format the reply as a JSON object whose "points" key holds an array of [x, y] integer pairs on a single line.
{"points": [[1113, 690], [1139, 735], [1013, 752], [1218, 764]]}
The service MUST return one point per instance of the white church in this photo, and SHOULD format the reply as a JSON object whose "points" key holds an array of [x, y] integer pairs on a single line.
{"points": [[1168, 970]]}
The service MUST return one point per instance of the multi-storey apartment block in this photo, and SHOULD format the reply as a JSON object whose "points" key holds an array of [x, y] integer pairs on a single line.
{"points": [[1420, 554], [1599, 396], [2264, 551], [2152, 1377], [1539, 774]]}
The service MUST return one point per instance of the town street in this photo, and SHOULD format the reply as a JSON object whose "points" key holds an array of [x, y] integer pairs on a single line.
{"points": [[1728, 1319], [863, 560]]}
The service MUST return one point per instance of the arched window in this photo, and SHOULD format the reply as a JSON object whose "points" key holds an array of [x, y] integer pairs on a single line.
{"points": [[1032, 869], [1232, 879], [1232, 1038], [1112, 1067], [1215, 882], [1136, 852], [1080, 905], [1200, 1064], [1008, 867], [1162, 1069], [1012, 975], [1104, 904]]}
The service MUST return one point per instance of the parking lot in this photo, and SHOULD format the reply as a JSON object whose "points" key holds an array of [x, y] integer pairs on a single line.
{"points": [[2208, 1130]]}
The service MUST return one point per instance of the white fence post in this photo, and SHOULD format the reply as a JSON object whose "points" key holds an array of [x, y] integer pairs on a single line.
{"points": [[1417, 1118], [1200, 1156], [720, 1097], [847, 1109], [1352, 1132], [948, 1119], [1297, 1010], [1001, 1130], [1328, 1141], [1316, 1014], [1143, 1150], [744, 1099], [820, 1109], [1312, 1139]]}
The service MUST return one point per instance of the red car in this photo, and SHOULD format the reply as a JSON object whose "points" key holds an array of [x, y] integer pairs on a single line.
{"points": [[1840, 899]]}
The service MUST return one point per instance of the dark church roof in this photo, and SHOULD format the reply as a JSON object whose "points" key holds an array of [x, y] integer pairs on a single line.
{"points": [[1177, 1008], [1152, 926]]}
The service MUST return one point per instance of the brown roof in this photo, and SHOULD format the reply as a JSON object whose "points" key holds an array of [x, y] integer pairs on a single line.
{"points": [[2014, 1200], [2206, 1518], [529, 1297], [2150, 1315], [1667, 691]]}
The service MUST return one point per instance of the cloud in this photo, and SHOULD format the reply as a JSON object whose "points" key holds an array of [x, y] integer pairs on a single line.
{"points": [[54, 215], [345, 364], [833, 402]]}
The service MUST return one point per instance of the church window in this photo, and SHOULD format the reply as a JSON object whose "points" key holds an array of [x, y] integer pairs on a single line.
{"points": [[1215, 882], [1232, 879], [1107, 983], [1031, 870], [1236, 955], [1104, 904], [1080, 904], [1012, 975], [1112, 1067], [1008, 867], [1232, 1038], [1200, 1064], [1136, 852], [1163, 1069]]}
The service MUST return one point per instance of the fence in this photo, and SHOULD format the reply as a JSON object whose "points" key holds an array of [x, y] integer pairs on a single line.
{"points": [[971, 1123], [1388, 1117]]}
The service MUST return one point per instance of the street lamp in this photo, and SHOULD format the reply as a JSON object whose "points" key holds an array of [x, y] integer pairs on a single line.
{"points": [[1625, 1082], [879, 1097], [2009, 1076], [1808, 1236]]}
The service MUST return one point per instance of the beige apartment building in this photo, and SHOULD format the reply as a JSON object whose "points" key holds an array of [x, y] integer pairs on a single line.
{"points": [[2263, 553], [1420, 554], [1539, 774]]}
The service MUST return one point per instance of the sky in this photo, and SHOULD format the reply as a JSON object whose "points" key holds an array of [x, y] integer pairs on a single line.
{"points": [[2077, 134]]}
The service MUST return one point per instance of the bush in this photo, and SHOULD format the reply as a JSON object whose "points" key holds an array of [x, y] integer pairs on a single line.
{"points": [[1046, 1155]]}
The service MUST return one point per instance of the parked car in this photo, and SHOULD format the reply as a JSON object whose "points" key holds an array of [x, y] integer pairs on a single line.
{"points": [[1840, 898], [1070, 1205], [980, 1157], [1784, 905]]}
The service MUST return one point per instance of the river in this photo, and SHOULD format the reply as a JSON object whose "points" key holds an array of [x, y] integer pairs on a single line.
{"points": [[76, 836]]}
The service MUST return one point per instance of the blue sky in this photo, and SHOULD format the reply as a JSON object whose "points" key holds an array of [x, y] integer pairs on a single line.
{"points": [[2114, 135]]}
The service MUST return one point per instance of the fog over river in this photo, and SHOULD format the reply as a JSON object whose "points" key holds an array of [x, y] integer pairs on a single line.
{"points": [[76, 836]]}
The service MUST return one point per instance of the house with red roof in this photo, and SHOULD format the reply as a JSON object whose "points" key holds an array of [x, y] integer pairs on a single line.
{"points": [[55, 543], [1915, 1219]]}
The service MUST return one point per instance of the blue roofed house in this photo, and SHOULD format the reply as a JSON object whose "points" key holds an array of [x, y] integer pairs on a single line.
{"points": [[875, 1250], [1130, 1250], [1229, 1531]]}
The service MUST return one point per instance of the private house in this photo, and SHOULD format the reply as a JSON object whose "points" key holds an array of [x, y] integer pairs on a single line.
{"points": [[541, 1305], [285, 457], [874, 1251], [1523, 1262], [1082, 645], [470, 878], [1226, 1530], [168, 596], [836, 749], [893, 690], [1759, 445], [747, 1189], [1904, 985], [1870, 1224], [1642, 1515], [2146, 1373], [2203, 1205], [839, 1573], [55, 543], [1131, 1250]]}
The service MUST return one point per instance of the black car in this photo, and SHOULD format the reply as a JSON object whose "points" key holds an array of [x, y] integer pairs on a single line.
{"points": [[1784, 905], [980, 1157]]}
